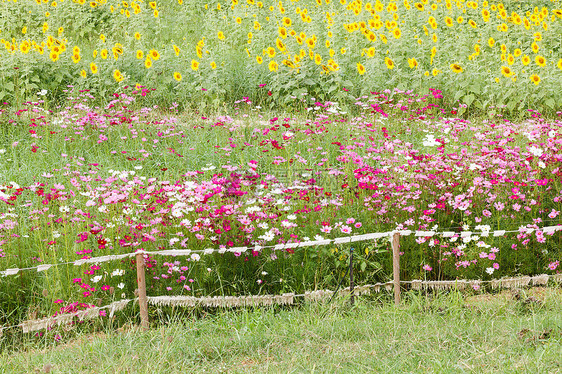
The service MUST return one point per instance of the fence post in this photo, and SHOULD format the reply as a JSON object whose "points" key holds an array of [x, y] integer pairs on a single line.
{"points": [[396, 266], [143, 301], [351, 282]]}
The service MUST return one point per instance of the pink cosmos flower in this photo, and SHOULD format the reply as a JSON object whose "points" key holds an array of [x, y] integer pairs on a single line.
{"points": [[427, 268], [345, 229], [553, 214]]}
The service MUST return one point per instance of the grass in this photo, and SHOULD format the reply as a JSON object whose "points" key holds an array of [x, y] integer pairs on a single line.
{"points": [[507, 333]]}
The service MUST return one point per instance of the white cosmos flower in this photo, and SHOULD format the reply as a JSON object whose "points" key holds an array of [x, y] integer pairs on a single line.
{"points": [[96, 279]]}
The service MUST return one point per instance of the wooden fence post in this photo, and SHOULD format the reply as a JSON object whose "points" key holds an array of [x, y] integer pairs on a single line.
{"points": [[143, 301], [396, 266]]}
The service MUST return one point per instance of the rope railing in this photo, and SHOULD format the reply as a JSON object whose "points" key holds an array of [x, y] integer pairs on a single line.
{"points": [[283, 299], [295, 245], [286, 298]]}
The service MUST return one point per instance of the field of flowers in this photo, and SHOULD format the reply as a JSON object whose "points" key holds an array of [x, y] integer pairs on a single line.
{"points": [[480, 53], [115, 137], [87, 181]]}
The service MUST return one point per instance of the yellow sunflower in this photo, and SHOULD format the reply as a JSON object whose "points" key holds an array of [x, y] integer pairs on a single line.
{"points": [[456, 68], [177, 76], [194, 65], [535, 79], [117, 75], [273, 66], [540, 60], [360, 68], [389, 63], [506, 71]]}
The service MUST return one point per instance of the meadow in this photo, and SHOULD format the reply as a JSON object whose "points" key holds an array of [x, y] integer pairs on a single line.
{"points": [[255, 125]]}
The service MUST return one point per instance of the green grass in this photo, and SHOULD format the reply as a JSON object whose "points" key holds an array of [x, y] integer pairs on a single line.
{"points": [[448, 333]]}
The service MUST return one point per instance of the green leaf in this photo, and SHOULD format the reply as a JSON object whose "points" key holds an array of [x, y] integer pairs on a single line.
{"points": [[511, 105], [468, 99], [550, 103], [9, 86], [458, 95]]}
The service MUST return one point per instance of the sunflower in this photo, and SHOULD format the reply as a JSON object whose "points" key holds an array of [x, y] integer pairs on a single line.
{"points": [[194, 65], [137, 35], [93, 68], [317, 59], [510, 59], [280, 45], [311, 43], [540, 60], [270, 52], [259, 59], [117, 75], [176, 50], [177, 76], [517, 52], [525, 60], [491, 42], [360, 68], [273, 66], [535, 47], [456, 68], [413, 63], [154, 54], [54, 56], [371, 52], [213, 65], [419, 6], [76, 58], [282, 32], [287, 21], [104, 54], [535, 79], [220, 35], [397, 33], [83, 73], [140, 54], [389, 63], [559, 64], [506, 71], [148, 62], [449, 21]]}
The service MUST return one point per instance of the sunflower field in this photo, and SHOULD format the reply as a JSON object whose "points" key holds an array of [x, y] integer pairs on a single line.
{"points": [[481, 54]]}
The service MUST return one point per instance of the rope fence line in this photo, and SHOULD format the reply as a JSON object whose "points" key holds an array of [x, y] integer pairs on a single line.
{"points": [[339, 240], [283, 299]]}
